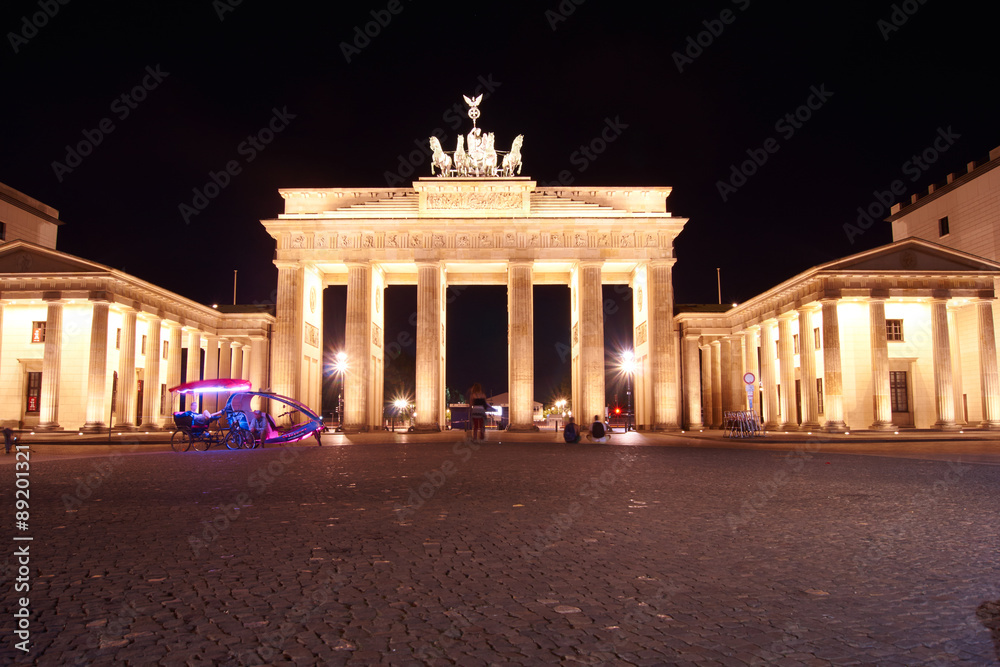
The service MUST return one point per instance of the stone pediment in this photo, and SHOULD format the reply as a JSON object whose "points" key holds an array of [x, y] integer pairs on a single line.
{"points": [[23, 257], [911, 255]]}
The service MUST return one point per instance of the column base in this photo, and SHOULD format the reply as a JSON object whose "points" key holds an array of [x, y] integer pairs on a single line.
{"points": [[695, 427], [124, 427], [94, 427], [522, 428], [49, 426], [354, 428], [809, 426], [788, 426], [946, 426], [990, 425], [882, 426], [835, 427], [770, 426]]}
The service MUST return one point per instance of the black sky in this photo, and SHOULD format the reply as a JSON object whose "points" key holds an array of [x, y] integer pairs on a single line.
{"points": [[889, 92]]}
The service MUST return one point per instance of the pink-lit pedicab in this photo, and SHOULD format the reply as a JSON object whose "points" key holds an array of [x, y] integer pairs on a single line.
{"points": [[233, 425]]}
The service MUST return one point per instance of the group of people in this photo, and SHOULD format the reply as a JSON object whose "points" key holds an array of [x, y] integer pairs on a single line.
{"points": [[261, 425], [598, 433]]}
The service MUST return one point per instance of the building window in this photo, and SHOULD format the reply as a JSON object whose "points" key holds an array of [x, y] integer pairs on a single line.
{"points": [[142, 346], [894, 330], [118, 338], [38, 332], [816, 338], [819, 395], [898, 391], [33, 398], [3, 231], [165, 348], [943, 229], [795, 343]]}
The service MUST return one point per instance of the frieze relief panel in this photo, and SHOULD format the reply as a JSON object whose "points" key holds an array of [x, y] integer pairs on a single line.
{"points": [[475, 200], [640, 334]]}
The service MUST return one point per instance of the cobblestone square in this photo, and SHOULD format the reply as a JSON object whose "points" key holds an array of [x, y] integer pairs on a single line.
{"points": [[439, 551]]}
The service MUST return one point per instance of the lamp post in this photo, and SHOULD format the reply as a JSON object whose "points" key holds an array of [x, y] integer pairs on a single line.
{"points": [[628, 367], [401, 405], [340, 367], [561, 407]]}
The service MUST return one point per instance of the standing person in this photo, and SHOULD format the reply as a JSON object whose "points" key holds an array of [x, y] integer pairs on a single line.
{"points": [[8, 440], [477, 401], [597, 433]]}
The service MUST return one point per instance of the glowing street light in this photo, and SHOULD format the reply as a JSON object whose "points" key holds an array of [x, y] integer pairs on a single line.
{"points": [[340, 368], [628, 367]]}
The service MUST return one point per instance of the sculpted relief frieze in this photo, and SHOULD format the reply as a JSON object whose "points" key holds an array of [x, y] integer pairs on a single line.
{"points": [[494, 238], [475, 200]]}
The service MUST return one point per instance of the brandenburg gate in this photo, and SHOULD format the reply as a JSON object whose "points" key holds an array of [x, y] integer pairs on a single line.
{"points": [[475, 223]]}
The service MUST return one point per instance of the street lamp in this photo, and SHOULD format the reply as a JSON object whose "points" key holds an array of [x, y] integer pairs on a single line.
{"points": [[401, 405], [340, 367], [628, 367], [561, 407]]}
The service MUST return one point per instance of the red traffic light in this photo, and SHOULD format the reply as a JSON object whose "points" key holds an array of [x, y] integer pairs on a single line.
{"points": [[618, 411]]}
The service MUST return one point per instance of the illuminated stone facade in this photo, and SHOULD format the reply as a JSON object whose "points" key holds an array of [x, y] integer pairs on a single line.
{"points": [[902, 335], [71, 328], [475, 231]]}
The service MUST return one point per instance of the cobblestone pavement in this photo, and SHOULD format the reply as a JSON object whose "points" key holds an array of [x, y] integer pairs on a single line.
{"points": [[442, 552]]}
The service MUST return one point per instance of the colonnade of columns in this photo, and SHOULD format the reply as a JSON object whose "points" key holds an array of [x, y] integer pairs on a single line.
{"points": [[432, 281], [781, 407]]}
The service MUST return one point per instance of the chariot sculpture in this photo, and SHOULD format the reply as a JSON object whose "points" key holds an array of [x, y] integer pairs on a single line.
{"points": [[475, 154]]}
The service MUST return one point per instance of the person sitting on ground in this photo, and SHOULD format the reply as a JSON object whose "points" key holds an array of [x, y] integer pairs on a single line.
{"points": [[597, 433], [571, 433]]}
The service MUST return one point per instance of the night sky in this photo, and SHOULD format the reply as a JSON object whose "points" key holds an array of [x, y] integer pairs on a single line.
{"points": [[834, 101]]}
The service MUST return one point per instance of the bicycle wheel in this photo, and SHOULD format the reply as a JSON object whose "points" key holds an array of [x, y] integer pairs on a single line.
{"points": [[249, 442], [234, 439], [202, 442], [180, 441]]}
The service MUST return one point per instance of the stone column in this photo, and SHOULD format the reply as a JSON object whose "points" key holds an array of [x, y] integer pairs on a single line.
{"points": [[357, 346], [956, 368], [717, 407], [151, 382], [880, 366], [725, 375], [707, 390], [125, 410], [286, 358], [807, 370], [174, 364], [430, 385], [987, 365], [193, 367], [833, 379], [786, 366], [768, 376], [258, 357], [49, 412], [521, 373], [662, 345], [211, 400], [237, 370], [737, 392], [592, 345], [750, 348], [692, 382], [97, 377], [944, 395], [225, 368]]}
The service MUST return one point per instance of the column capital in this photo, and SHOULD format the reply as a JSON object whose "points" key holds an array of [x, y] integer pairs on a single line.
{"points": [[52, 297], [98, 296], [810, 307], [530, 263], [590, 264]]}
